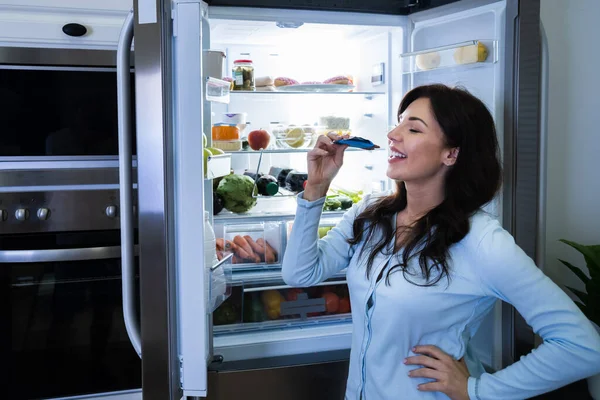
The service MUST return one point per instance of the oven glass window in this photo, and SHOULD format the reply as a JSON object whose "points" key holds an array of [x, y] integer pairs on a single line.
{"points": [[63, 332], [59, 112]]}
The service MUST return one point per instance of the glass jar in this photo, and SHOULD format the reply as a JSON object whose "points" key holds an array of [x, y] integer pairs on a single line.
{"points": [[243, 75]]}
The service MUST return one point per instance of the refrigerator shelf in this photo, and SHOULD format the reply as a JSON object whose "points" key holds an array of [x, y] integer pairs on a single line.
{"points": [[290, 151], [226, 216], [237, 93], [469, 54]]}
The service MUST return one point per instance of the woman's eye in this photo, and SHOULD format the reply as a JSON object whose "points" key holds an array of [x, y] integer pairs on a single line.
{"points": [[414, 131]]}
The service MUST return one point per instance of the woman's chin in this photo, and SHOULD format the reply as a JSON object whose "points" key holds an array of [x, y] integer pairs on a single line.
{"points": [[394, 175]]}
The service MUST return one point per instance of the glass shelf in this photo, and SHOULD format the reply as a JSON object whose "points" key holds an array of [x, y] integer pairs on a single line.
{"points": [[469, 54], [236, 93], [291, 151]]}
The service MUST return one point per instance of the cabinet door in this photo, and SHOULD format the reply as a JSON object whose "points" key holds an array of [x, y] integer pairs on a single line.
{"points": [[43, 26]]}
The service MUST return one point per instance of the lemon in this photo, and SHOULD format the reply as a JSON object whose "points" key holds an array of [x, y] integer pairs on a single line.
{"points": [[214, 151], [295, 138]]}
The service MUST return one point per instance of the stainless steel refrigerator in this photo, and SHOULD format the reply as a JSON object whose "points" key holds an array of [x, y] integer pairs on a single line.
{"points": [[189, 345]]}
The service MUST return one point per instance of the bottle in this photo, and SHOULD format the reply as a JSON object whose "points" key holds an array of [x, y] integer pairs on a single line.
{"points": [[243, 75]]}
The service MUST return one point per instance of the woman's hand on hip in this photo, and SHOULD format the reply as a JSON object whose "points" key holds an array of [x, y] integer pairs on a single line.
{"points": [[324, 162], [451, 376]]}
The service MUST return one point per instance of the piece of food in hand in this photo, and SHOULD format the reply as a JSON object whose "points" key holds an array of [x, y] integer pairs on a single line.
{"points": [[428, 60], [470, 54], [259, 139], [267, 185], [237, 193], [264, 81], [357, 142], [284, 81], [338, 80], [332, 302]]}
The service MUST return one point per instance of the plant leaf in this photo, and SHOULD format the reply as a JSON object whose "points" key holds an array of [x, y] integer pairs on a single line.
{"points": [[582, 296], [580, 274], [591, 255]]}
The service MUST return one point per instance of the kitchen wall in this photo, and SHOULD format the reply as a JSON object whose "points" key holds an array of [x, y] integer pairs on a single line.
{"points": [[573, 188]]}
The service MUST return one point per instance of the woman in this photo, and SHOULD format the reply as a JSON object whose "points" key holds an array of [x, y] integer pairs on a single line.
{"points": [[425, 264]]}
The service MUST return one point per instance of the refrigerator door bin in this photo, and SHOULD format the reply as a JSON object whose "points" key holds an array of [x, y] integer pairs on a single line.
{"points": [[472, 53], [253, 245], [218, 165]]}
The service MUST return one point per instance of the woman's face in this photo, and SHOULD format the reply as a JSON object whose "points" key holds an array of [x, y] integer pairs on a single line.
{"points": [[417, 146]]}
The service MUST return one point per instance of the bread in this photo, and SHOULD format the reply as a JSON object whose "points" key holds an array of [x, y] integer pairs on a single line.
{"points": [[264, 81], [283, 81], [338, 80]]}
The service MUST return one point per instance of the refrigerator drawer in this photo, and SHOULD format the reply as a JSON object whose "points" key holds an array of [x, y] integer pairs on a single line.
{"points": [[276, 306], [253, 245]]}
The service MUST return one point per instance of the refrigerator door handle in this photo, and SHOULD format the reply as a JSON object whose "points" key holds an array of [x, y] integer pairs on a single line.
{"points": [[130, 316], [543, 163]]}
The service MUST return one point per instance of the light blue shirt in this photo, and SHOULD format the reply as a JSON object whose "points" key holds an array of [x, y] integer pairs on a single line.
{"points": [[485, 266]]}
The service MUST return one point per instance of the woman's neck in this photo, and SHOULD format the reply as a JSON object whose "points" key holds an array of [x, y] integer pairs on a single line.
{"points": [[422, 197]]}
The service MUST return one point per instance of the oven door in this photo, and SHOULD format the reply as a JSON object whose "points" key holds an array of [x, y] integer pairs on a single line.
{"points": [[59, 103], [62, 319]]}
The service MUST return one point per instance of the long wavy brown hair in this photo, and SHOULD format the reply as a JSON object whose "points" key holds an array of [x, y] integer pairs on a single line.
{"points": [[471, 182]]}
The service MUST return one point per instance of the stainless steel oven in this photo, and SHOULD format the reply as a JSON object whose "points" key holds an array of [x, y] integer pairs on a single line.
{"points": [[59, 103], [62, 331]]}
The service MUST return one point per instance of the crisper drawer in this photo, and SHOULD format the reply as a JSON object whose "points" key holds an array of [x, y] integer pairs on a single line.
{"points": [[273, 305], [254, 245]]}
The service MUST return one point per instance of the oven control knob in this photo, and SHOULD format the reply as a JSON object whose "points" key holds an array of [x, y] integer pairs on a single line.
{"points": [[3, 215], [111, 211], [43, 214], [22, 214]]}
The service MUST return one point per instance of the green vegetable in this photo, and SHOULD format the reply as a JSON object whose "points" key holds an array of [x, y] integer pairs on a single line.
{"points": [[236, 191], [332, 204], [225, 314], [354, 196], [345, 201]]}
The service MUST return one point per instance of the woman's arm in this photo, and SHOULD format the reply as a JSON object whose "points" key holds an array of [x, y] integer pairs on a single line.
{"points": [[571, 347], [308, 260]]}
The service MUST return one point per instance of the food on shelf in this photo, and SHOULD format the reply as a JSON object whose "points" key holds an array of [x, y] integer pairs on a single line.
{"points": [[292, 294], [266, 89], [243, 75], [253, 308], [246, 250], [215, 151], [222, 132], [336, 202], [284, 81], [226, 314], [228, 145], [332, 302], [471, 54], [292, 137], [355, 196], [323, 231], [295, 181], [265, 81], [332, 204], [229, 79], [280, 174], [335, 123], [339, 80], [272, 300], [344, 306], [234, 118], [428, 60], [218, 203], [295, 138], [237, 192], [311, 83], [204, 140], [259, 139], [267, 185], [206, 154]]}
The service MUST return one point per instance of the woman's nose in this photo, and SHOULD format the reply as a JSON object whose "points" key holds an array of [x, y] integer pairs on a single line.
{"points": [[395, 135]]}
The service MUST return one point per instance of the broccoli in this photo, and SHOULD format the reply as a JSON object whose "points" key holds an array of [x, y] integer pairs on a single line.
{"points": [[236, 191]]}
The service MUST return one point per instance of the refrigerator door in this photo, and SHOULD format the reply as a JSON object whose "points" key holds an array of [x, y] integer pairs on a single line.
{"points": [[492, 48]]}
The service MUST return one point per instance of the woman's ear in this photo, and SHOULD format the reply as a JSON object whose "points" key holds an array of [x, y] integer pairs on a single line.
{"points": [[451, 156]]}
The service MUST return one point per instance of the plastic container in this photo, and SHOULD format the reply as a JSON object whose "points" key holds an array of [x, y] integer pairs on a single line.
{"points": [[234, 118], [243, 75], [227, 145], [217, 90], [215, 282]]}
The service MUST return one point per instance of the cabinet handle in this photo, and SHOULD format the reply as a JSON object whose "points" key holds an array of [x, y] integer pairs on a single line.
{"points": [[74, 29]]}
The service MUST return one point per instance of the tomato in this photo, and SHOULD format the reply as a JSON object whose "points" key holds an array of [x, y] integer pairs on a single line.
{"points": [[344, 305], [292, 294], [332, 302]]}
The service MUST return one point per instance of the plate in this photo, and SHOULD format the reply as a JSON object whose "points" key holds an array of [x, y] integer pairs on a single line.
{"points": [[322, 87]]}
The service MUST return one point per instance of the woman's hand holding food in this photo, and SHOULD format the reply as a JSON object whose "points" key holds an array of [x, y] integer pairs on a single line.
{"points": [[324, 162]]}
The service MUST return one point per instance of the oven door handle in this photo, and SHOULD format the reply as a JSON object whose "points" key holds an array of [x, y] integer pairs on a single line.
{"points": [[130, 316], [59, 255]]}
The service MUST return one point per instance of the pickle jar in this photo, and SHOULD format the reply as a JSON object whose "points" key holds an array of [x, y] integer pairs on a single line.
{"points": [[243, 75]]}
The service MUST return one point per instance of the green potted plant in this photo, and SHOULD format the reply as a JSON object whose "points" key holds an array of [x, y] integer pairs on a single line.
{"points": [[589, 301]]}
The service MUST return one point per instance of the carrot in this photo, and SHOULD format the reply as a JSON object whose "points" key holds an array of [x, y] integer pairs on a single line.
{"points": [[230, 246], [241, 242], [270, 253], [220, 243], [258, 249]]}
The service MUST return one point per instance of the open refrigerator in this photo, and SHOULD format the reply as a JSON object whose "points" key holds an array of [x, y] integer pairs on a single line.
{"points": [[234, 327]]}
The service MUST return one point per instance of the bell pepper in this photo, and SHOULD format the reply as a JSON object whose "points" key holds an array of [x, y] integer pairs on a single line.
{"points": [[272, 300]]}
